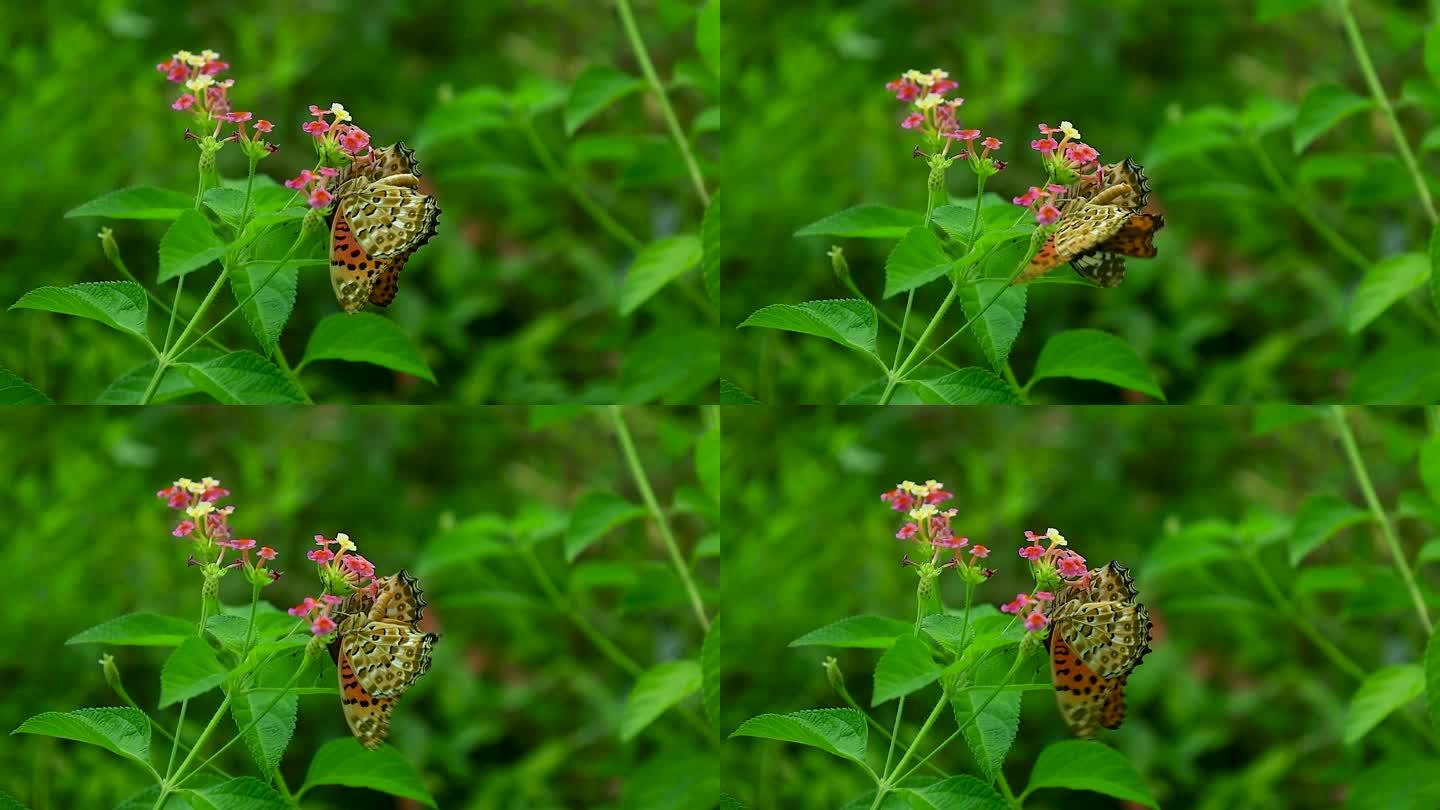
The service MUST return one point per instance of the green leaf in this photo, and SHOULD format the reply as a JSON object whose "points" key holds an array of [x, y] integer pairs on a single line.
{"points": [[1430, 467], [991, 239], [138, 630], [996, 213], [1435, 266], [243, 378], [904, 668], [117, 304], [847, 321], [1322, 108], [1381, 693], [710, 672], [129, 388], [1319, 518], [136, 202], [227, 203], [841, 732], [1086, 765], [655, 691], [875, 632], [1432, 680], [955, 793], [596, 514], [1089, 354], [269, 311], [996, 329], [188, 245], [244, 793], [366, 338], [946, 628], [343, 762], [710, 241], [191, 670], [1204, 130], [707, 36], [732, 394], [475, 110], [15, 391], [864, 222], [228, 629], [1384, 284], [596, 88], [707, 462], [269, 738], [656, 265], [917, 260], [1432, 53], [474, 538], [993, 731], [1270, 10], [124, 731], [968, 386]]}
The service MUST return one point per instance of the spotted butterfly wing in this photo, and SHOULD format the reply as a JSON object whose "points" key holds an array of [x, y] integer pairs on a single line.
{"points": [[1098, 636], [382, 652]]}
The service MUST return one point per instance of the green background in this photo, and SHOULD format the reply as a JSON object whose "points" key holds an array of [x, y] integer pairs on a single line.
{"points": [[518, 709], [1234, 708]]}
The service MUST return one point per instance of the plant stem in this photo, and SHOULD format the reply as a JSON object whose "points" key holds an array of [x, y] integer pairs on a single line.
{"points": [[173, 782], [1341, 246], [602, 217], [181, 776], [974, 716], [890, 781], [632, 32], [280, 265], [1372, 80], [285, 368], [166, 359], [899, 374], [1387, 530], [1287, 609], [642, 482]]}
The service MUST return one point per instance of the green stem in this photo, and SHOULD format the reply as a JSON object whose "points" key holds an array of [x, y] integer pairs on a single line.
{"points": [[170, 330], [171, 783], [974, 716], [899, 374], [904, 323], [642, 482], [1341, 245], [250, 625], [958, 332], [1287, 609], [181, 776], [890, 781], [632, 32], [180, 350], [284, 363], [1372, 80], [875, 724], [558, 175], [1387, 530], [166, 359]]}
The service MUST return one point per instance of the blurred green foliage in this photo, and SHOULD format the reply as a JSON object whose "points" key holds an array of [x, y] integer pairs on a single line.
{"points": [[518, 299], [519, 709], [1247, 300], [1236, 707]]}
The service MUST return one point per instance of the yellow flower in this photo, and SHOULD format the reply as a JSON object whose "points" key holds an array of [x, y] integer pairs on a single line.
{"points": [[209, 483], [937, 74], [209, 55], [200, 509], [194, 60], [914, 75], [929, 101], [1069, 130], [185, 484], [906, 486], [184, 56], [1054, 534], [200, 82], [932, 485], [923, 512], [343, 540], [339, 111]]}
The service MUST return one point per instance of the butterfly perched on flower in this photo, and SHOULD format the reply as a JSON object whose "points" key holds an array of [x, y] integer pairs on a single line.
{"points": [[381, 219], [1098, 636], [1099, 226], [380, 653]]}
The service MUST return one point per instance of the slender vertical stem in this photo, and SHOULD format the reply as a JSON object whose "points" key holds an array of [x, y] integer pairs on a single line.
{"points": [[899, 374], [1372, 80], [167, 358], [170, 330], [642, 482], [180, 349], [632, 32], [558, 175], [1341, 246], [1387, 530], [891, 781], [974, 716], [1303, 624], [607, 647]]}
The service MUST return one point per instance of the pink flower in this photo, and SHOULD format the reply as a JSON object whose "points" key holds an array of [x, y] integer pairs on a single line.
{"points": [[991, 142], [263, 126], [1046, 129], [184, 529], [214, 494], [358, 565], [319, 198], [317, 112], [1080, 153], [266, 553], [964, 134], [943, 86], [243, 544], [329, 172], [1047, 214], [331, 599], [979, 551], [1055, 189], [948, 540], [907, 531], [184, 102], [1044, 596], [316, 128], [304, 607], [320, 539], [1028, 199], [1036, 621], [234, 117], [214, 66], [938, 496], [899, 500], [1017, 604], [174, 497], [324, 626], [321, 555], [1044, 145], [1071, 565], [904, 89], [1032, 552], [299, 181], [912, 121], [354, 140]]}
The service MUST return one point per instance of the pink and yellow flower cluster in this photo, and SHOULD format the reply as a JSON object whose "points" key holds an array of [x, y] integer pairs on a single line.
{"points": [[929, 526], [208, 526], [936, 117]]}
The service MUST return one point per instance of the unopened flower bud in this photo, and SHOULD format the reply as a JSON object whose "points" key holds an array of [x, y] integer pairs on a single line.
{"points": [[838, 263], [112, 677]]}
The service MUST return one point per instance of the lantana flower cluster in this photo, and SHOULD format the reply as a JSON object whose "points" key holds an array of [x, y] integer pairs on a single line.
{"points": [[313, 185], [337, 141], [341, 571], [1030, 607], [1067, 160], [929, 527], [937, 118], [1052, 561], [317, 612], [208, 99], [207, 525]]}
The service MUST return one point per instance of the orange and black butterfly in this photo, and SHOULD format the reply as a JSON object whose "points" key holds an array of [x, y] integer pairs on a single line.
{"points": [[381, 219], [1099, 226], [380, 652], [1097, 638]]}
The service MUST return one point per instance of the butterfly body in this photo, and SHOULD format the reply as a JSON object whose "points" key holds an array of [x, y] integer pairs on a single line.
{"points": [[1098, 636], [381, 219], [1100, 225], [381, 652]]}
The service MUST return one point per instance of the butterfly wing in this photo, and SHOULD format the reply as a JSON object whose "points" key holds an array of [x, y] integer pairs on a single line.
{"points": [[1136, 237], [1080, 231], [1123, 184], [1110, 637], [352, 270], [1080, 692], [399, 599], [367, 715], [389, 652], [390, 216], [1113, 713], [1103, 269]]}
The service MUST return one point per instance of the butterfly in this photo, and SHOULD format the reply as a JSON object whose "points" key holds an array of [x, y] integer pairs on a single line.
{"points": [[381, 218], [1098, 636], [380, 652], [1100, 225]]}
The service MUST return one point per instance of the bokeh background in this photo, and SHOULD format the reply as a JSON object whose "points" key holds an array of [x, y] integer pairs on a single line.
{"points": [[1245, 303], [516, 299], [1234, 708], [519, 709]]}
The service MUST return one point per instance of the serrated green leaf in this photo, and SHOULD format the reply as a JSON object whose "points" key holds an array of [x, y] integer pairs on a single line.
{"points": [[991, 732], [124, 731], [596, 514], [366, 338], [1325, 106], [243, 378], [343, 762], [188, 245], [1086, 765], [136, 202], [269, 737], [968, 386], [15, 391], [864, 222], [847, 321], [732, 394], [1386, 283], [995, 328], [191, 670], [656, 265], [138, 630], [129, 388], [917, 260], [841, 732], [117, 304], [655, 691], [875, 632], [269, 311], [1318, 519], [1381, 693], [956, 793], [227, 203], [904, 668], [1090, 354], [244, 793]]}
